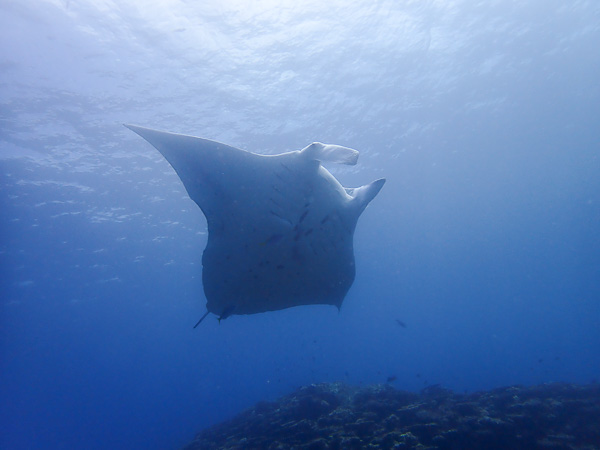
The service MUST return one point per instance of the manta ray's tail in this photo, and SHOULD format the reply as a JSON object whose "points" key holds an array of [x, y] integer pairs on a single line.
{"points": [[201, 319]]}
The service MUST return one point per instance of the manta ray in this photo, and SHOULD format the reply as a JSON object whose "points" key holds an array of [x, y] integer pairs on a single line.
{"points": [[280, 227]]}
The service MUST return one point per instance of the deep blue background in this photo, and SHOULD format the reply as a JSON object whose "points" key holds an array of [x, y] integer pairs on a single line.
{"points": [[485, 241]]}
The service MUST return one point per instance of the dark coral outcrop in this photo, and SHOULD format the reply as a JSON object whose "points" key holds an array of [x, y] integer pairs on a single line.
{"points": [[338, 416]]}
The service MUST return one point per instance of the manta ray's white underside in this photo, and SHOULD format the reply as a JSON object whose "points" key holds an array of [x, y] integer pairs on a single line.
{"points": [[280, 228]]}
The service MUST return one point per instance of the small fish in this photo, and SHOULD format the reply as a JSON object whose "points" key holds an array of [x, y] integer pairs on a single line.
{"points": [[399, 322], [303, 216], [273, 239], [392, 378]]}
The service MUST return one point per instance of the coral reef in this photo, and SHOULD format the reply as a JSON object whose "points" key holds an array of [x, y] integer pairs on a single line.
{"points": [[338, 416]]}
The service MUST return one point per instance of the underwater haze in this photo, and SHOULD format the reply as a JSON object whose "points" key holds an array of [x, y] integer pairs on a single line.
{"points": [[477, 265]]}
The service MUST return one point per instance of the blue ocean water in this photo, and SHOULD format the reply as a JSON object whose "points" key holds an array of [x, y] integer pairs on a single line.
{"points": [[485, 241]]}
